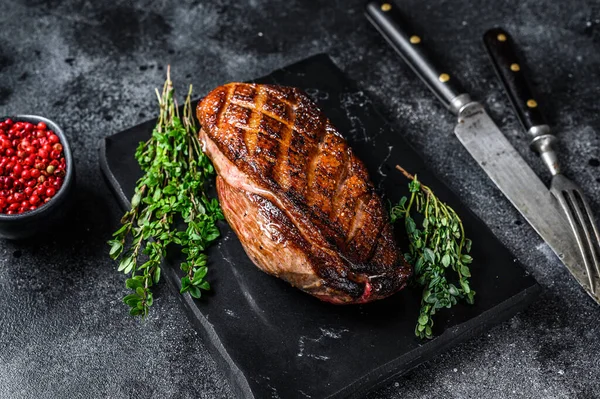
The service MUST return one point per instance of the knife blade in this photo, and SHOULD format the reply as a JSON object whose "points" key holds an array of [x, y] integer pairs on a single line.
{"points": [[485, 143]]}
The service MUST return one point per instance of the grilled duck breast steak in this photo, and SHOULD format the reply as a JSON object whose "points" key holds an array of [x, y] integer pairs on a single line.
{"points": [[297, 197]]}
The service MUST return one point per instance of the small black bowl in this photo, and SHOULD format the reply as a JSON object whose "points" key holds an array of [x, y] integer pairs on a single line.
{"points": [[42, 219]]}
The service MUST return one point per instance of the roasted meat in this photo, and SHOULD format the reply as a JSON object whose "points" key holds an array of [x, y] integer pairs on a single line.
{"points": [[297, 197]]}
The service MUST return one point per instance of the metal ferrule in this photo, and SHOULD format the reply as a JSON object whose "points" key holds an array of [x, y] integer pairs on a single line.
{"points": [[542, 141], [458, 103], [539, 130], [469, 109]]}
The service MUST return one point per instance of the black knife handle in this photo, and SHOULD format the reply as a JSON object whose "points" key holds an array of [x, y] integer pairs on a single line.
{"points": [[511, 71], [388, 21]]}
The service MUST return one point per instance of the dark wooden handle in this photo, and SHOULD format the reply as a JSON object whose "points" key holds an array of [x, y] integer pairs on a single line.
{"points": [[388, 21], [511, 71]]}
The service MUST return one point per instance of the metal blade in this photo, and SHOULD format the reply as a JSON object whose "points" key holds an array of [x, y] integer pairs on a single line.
{"points": [[519, 183]]}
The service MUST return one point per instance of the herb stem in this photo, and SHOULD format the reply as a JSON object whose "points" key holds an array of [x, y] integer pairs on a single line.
{"points": [[438, 252]]}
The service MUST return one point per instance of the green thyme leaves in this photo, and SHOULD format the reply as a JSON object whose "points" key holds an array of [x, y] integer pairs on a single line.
{"points": [[171, 191], [438, 250]]}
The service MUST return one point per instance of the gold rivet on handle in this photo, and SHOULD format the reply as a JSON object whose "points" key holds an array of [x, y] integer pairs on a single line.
{"points": [[415, 39], [444, 77], [531, 103], [501, 37], [386, 7], [515, 67]]}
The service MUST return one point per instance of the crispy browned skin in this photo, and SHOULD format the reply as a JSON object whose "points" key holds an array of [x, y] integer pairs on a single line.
{"points": [[296, 195]]}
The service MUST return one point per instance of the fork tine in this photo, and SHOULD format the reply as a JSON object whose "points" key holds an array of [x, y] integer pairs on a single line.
{"points": [[594, 249], [569, 204]]}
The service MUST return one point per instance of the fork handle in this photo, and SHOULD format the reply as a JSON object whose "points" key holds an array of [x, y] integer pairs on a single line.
{"points": [[511, 72]]}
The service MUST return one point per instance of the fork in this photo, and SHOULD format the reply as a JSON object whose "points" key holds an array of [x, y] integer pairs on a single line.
{"points": [[504, 57]]}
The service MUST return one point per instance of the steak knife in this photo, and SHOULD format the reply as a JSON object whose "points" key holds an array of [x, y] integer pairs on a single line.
{"points": [[485, 142]]}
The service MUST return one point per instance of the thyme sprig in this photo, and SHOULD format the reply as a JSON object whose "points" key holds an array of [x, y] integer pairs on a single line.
{"points": [[172, 189], [438, 250]]}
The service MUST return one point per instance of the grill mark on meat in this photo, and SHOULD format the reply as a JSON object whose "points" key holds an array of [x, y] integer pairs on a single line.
{"points": [[224, 105], [271, 127], [361, 246], [274, 106], [283, 175], [275, 145], [328, 164], [357, 216], [312, 163], [371, 253], [350, 193], [296, 165], [274, 116], [244, 95], [239, 116], [250, 136], [341, 180], [281, 96]]}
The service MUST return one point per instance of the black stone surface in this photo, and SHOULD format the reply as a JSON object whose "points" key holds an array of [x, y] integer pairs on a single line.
{"points": [[93, 66], [272, 339]]}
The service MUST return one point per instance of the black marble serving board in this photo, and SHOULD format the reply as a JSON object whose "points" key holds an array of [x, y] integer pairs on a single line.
{"points": [[273, 340]]}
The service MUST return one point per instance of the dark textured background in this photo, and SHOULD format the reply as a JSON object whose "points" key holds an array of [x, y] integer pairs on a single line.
{"points": [[92, 67]]}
